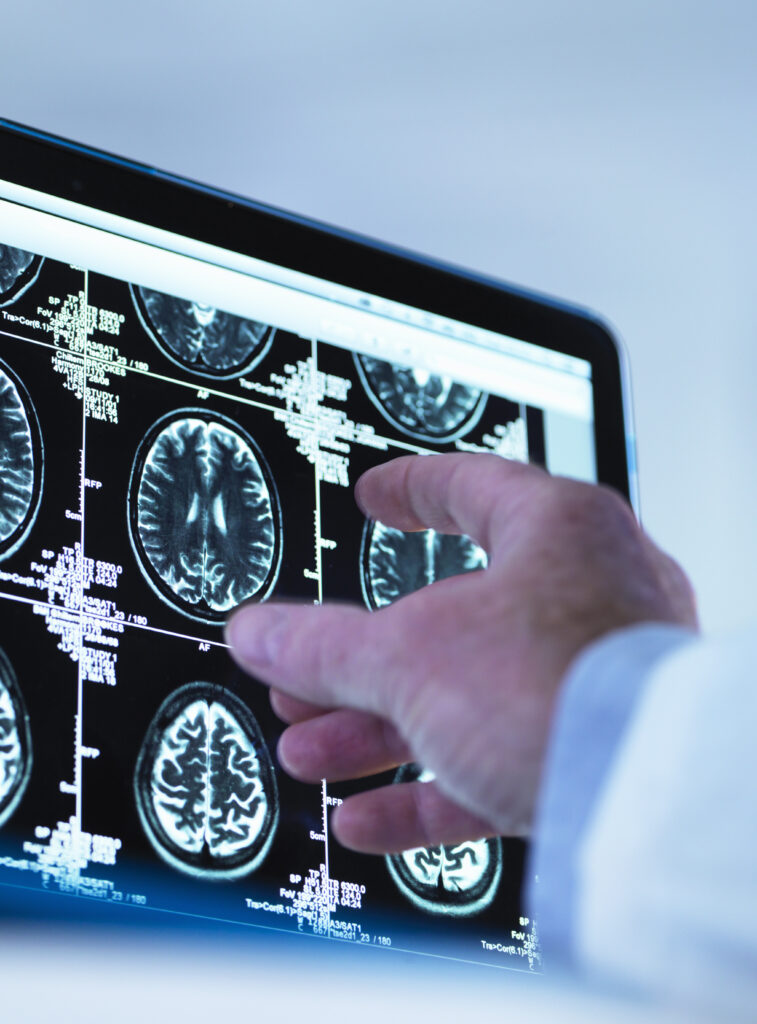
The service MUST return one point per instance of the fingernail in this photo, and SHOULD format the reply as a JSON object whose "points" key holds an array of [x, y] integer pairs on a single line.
{"points": [[280, 754], [289, 765], [358, 489], [334, 820], [256, 634]]}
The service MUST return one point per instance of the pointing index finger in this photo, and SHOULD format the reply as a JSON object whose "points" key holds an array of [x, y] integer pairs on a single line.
{"points": [[328, 656], [450, 493]]}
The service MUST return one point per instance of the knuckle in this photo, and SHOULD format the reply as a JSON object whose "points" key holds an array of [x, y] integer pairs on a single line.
{"points": [[574, 503], [614, 504]]}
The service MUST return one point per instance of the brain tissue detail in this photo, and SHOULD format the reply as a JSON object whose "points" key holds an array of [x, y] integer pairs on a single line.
{"points": [[19, 469], [205, 786], [204, 515], [201, 338], [457, 881], [18, 269], [422, 404], [15, 742], [394, 563]]}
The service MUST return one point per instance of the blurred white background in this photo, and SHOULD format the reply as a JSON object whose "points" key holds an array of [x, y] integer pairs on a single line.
{"points": [[605, 153], [89, 977]]}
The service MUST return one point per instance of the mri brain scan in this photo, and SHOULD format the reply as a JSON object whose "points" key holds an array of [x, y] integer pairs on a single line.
{"points": [[205, 786], [456, 881], [199, 337], [422, 404], [20, 462], [15, 742], [204, 515], [394, 563], [18, 270]]}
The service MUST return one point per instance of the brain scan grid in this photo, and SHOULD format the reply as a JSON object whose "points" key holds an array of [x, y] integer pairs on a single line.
{"points": [[162, 461]]}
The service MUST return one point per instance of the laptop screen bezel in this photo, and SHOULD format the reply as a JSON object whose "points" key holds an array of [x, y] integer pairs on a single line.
{"points": [[139, 193]]}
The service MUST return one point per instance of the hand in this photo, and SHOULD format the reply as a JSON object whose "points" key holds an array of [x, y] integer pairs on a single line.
{"points": [[463, 675]]}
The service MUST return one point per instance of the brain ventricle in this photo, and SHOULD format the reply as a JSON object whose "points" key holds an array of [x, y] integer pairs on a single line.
{"points": [[206, 516]]}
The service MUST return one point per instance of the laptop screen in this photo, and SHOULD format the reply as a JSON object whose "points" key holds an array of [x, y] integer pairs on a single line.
{"points": [[181, 427]]}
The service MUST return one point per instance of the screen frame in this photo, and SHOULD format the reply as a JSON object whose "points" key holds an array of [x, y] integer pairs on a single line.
{"points": [[80, 174]]}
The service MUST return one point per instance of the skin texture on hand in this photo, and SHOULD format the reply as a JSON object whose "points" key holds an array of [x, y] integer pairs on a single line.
{"points": [[461, 676]]}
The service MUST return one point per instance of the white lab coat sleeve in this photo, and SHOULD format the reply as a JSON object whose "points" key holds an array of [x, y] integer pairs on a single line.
{"points": [[598, 699], [666, 869], [646, 842]]}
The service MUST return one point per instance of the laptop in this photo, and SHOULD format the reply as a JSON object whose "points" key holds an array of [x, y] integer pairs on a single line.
{"points": [[190, 385]]}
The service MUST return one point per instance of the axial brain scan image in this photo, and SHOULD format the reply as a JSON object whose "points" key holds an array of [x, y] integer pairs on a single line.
{"points": [[394, 563], [457, 881], [204, 515], [15, 742], [200, 337], [422, 404], [18, 269], [205, 786], [20, 472]]}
